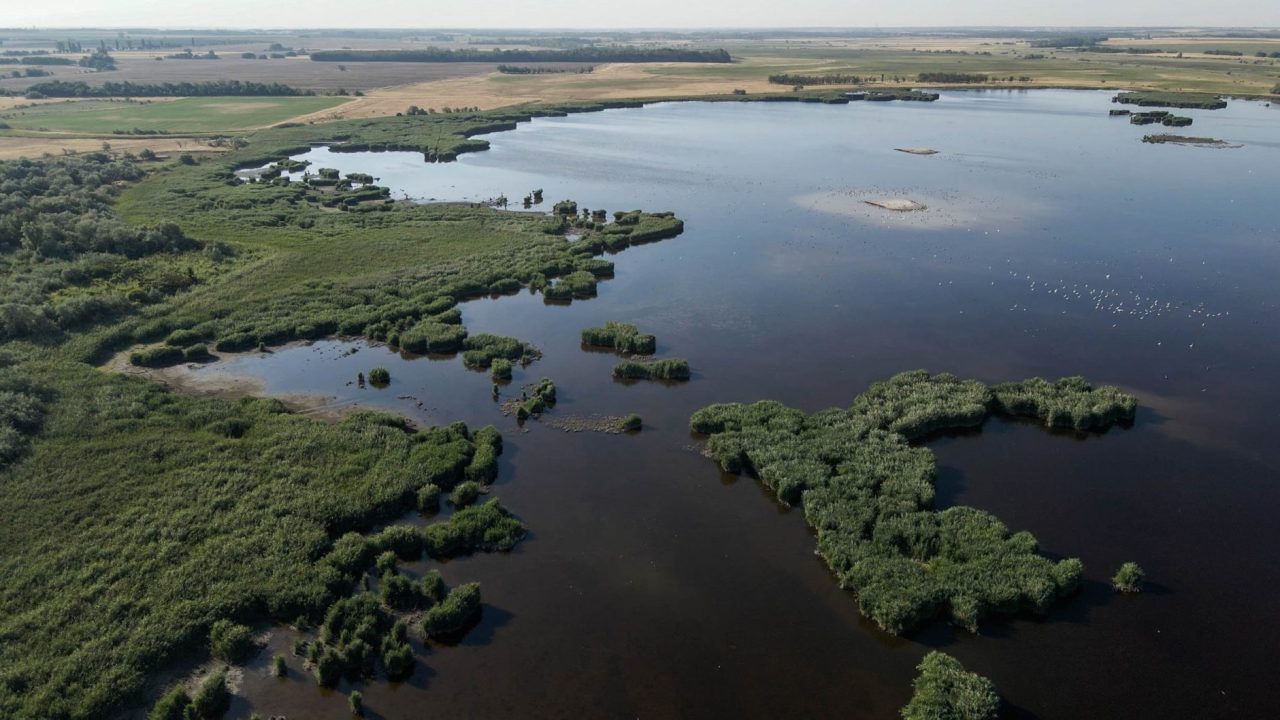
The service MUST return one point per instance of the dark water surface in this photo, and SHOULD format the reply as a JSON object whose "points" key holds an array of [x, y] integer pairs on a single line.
{"points": [[1055, 243]]}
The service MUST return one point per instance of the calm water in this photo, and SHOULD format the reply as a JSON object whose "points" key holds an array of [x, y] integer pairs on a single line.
{"points": [[1055, 243]]}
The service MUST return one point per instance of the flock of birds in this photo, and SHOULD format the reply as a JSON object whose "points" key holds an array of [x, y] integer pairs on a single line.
{"points": [[1123, 303]]}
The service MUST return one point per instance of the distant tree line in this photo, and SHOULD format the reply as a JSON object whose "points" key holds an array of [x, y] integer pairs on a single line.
{"points": [[47, 60], [1228, 53], [540, 70], [591, 54], [1127, 50], [212, 88], [188, 55], [833, 79], [1062, 41], [948, 77]]}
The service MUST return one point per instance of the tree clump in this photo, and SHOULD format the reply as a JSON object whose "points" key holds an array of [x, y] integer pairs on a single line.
{"points": [[621, 337], [944, 690], [869, 493]]}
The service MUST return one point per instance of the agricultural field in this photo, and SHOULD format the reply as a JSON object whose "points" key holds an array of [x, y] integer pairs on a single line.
{"points": [[185, 115], [295, 71]]}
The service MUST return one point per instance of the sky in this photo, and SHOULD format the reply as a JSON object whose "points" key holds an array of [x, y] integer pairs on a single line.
{"points": [[632, 13]]}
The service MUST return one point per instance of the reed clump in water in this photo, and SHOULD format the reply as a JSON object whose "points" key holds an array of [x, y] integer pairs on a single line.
{"points": [[868, 492]]}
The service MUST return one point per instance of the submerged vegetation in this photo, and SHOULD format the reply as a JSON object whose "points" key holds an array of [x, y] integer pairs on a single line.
{"points": [[869, 492], [944, 690], [621, 337]]}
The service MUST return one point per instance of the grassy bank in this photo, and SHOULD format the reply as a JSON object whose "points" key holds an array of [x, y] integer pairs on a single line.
{"points": [[184, 115]]}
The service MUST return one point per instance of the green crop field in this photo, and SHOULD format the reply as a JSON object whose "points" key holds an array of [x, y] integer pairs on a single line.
{"points": [[188, 115]]}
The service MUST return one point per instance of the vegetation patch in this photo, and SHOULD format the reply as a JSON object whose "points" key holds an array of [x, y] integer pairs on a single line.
{"points": [[868, 492]]}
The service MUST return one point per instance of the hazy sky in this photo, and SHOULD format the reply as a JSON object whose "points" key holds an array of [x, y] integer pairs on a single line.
{"points": [[632, 13]]}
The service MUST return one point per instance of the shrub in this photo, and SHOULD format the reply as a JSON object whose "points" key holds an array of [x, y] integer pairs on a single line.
{"points": [[464, 494], [944, 689], [196, 353], [328, 667], [403, 541], [163, 356], [350, 554], [356, 701], [278, 668], [428, 498], [429, 336], [431, 587], [230, 641], [669, 369], [454, 613], [1069, 402], [399, 592], [386, 564], [379, 376], [578, 284], [1129, 578], [212, 699], [631, 422], [487, 526], [397, 659], [621, 337], [500, 369], [183, 338], [545, 390], [236, 342], [171, 706], [481, 350]]}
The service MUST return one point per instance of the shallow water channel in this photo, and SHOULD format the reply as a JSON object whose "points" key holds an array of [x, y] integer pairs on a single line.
{"points": [[1054, 242]]}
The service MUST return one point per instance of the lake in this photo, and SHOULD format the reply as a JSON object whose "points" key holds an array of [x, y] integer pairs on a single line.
{"points": [[1054, 242]]}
